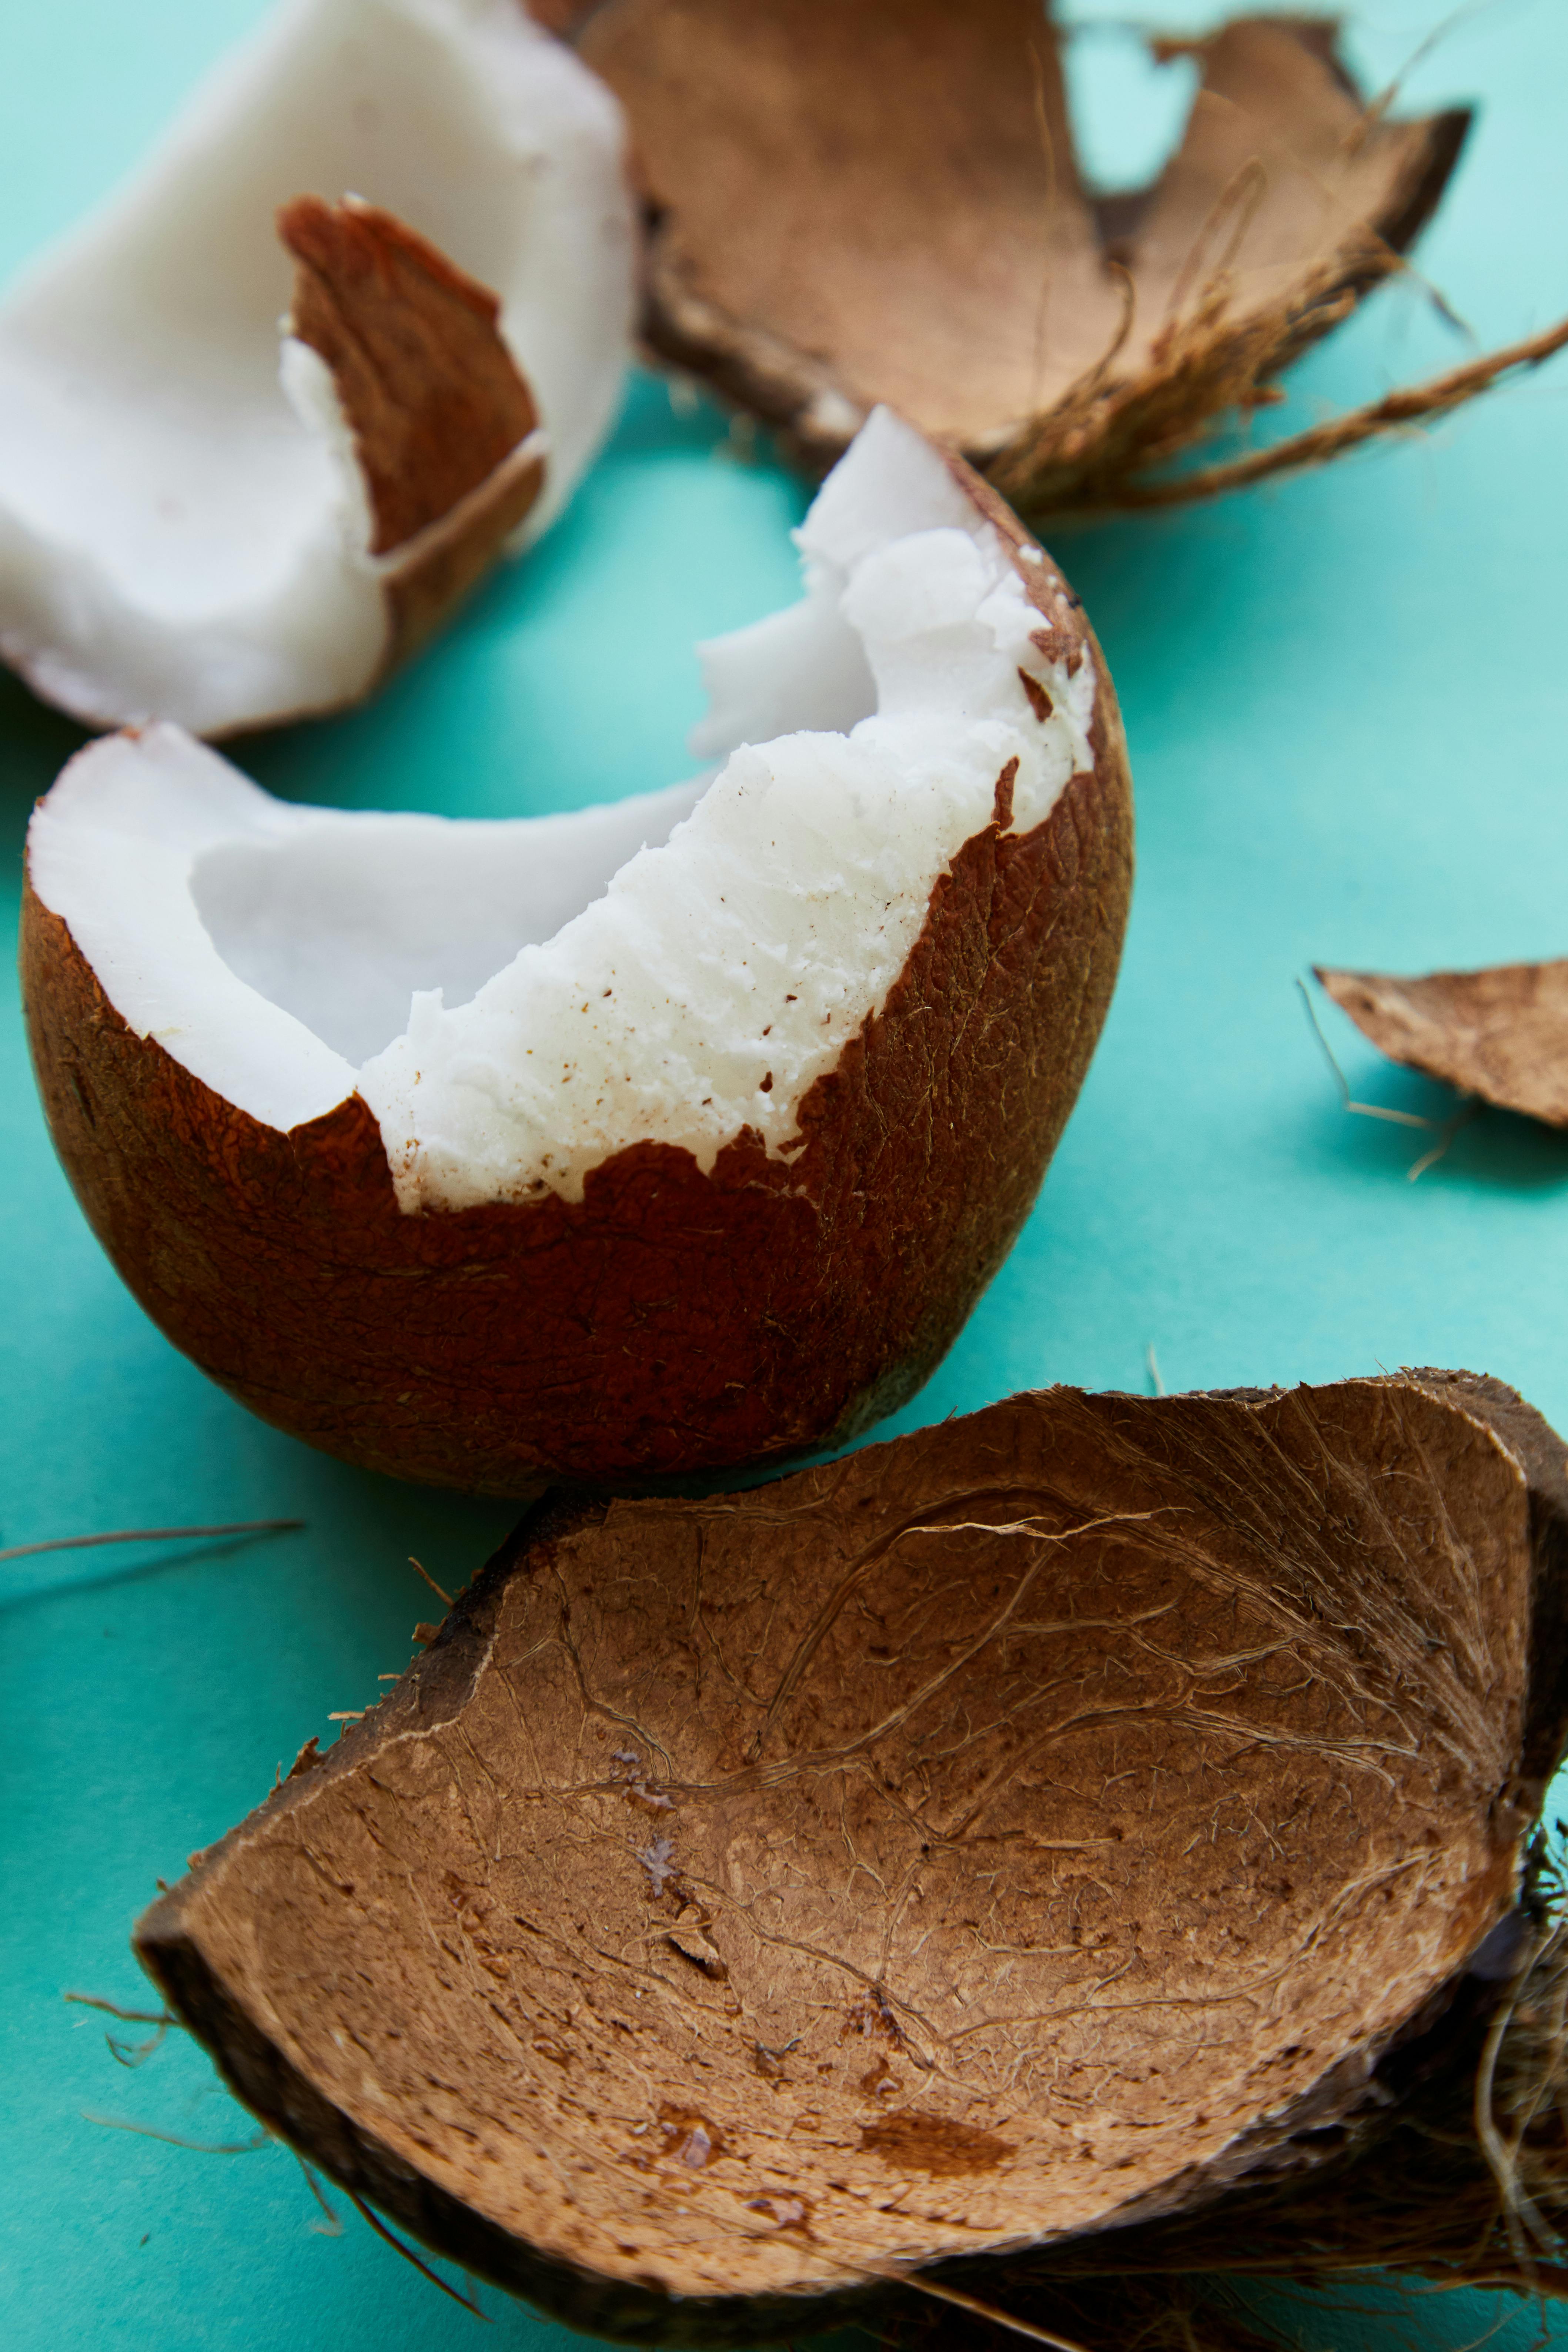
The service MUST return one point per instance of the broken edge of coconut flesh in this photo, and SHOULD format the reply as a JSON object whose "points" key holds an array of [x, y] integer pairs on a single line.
{"points": [[882, 203], [644, 1140], [1052, 1833], [1500, 1034], [226, 503]]}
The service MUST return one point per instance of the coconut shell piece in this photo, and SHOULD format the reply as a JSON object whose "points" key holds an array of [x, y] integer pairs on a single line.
{"points": [[1042, 1831], [444, 428], [881, 201], [1500, 1033], [208, 522]]}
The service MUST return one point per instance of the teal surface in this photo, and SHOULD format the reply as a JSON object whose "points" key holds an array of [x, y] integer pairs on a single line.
{"points": [[1347, 699]]}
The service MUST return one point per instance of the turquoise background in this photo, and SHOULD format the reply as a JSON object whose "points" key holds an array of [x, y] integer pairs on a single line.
{"points": [[1347, 700]]}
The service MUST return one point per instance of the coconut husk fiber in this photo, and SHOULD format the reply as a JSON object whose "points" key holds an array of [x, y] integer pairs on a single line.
{"points": [[883, 203], [1095, 1830], [1500, 1033]]}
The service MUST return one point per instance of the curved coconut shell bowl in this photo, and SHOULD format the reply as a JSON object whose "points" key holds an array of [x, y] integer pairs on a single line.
{"points": [[881, 203], [671, 1320], [1056, 1821]]}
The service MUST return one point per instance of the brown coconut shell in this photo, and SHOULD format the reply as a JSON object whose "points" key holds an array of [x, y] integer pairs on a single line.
{"points": [[881, 203], [1058, 1829], [1500, 1033], [670, 1321], [438, 410]]}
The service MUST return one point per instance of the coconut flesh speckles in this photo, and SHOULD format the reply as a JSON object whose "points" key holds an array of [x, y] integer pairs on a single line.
{"points": [[604, 993]]}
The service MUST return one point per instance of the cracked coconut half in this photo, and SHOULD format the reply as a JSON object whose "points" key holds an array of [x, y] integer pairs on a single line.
{"points": [[881, 201], [355, 329], [1065, 1839], [654, 1138]]}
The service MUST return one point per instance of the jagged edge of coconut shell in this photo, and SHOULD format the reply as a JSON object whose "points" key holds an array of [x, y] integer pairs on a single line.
{"points": [[1342, 2121]]}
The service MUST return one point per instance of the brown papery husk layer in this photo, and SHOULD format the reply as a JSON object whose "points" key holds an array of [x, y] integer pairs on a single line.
{"points": [[882, 202], [1500, 1034], [1095, 1829], [672, 1320], [436, 408]]}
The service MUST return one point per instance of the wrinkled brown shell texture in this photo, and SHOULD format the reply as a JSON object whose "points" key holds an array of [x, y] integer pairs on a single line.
{"points": [[671, 1320], [1409, 2198], [1051, 1819], [1500, 1033], [881, 201], [433, 398]]}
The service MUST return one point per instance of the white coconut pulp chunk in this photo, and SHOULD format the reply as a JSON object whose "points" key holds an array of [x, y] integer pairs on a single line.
{"points": [[183, 530], [517, 1001]]}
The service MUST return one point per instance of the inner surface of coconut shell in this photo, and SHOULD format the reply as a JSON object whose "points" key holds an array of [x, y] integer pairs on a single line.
{"points": [[1040, 1821], [445, 427], [882, 202]]}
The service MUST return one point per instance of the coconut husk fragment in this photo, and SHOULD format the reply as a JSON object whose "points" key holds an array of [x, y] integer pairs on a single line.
{"points": [[1500, 1033], [443, 423], [1084, 1831], [883, 202]]}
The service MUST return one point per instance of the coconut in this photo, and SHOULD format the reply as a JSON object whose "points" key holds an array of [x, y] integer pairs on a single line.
{"points": [[1051, 1834], [1500, 1033], [648, 1139], [209, 518], [848, 204]]}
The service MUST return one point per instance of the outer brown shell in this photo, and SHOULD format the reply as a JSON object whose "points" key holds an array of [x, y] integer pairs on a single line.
{"points": [[881, 201], [433, 397], [1500, 1033], [1055, 1819], [670, 1321]]}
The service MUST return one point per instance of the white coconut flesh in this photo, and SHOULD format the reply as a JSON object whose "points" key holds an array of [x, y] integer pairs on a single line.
{"points": [[183, 529], [516, 1002]]}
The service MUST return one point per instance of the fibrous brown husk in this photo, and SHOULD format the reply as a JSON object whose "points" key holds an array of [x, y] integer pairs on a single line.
{"points": [[881, 201], [673, 1320], [1089, 1828], [1500, 1033], [441, 419]]}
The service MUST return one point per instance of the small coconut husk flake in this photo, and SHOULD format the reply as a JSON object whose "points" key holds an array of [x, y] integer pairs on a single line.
{"points": [[1076, 1829], [882, 202], [1500, 1033]]}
